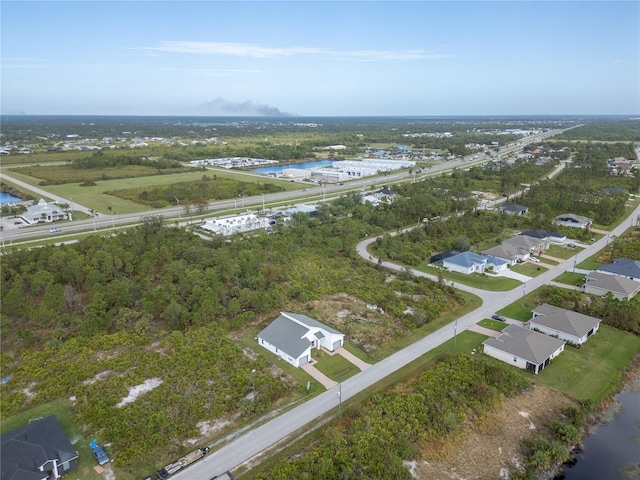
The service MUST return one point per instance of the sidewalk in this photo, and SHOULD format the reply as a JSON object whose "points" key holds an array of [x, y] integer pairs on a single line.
{"points": [[362, 365]]}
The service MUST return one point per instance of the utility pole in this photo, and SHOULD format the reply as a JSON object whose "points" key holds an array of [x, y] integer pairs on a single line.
{"points": [[339, 400], [455, 334]]}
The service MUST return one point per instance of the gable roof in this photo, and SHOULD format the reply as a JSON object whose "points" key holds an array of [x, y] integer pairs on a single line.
{"points": [[563, 320], [622, 266], [286, 335], [532, 346], [288, 331], [613, 283], [25, 449]]}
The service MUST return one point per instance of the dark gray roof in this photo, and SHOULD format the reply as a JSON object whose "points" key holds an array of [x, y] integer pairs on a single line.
{"points": [[25, 449], [308, 321], [566, 321], [286, 335], [543, 234], [532, 346], [512, 207], [622, 266]]}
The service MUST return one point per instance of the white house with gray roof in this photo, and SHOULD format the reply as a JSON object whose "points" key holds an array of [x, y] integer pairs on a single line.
{"points": [[292, 336], [567, 325], [598, 283], [524, 348]]}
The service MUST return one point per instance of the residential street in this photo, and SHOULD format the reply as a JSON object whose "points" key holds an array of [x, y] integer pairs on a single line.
{"points": [[307, 414]]}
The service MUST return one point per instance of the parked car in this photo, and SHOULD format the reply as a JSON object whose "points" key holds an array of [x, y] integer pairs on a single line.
{"points": [[534, 259], [54, 230], [571, 245], [499, 318], [17, 222]]}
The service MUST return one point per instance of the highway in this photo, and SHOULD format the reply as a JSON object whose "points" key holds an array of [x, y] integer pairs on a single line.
{"points": [[105, 222]]}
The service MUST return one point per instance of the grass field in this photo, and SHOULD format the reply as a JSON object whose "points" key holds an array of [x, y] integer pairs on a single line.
{"points": [[570, 278], [336, 367], [561, 251], [530, 269], [593, 371], [493, 324], [486, 282], [62, 410], [96, 198]]}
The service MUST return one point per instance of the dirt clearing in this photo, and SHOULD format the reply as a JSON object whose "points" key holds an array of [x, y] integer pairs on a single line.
{"points": [[494, 447]]}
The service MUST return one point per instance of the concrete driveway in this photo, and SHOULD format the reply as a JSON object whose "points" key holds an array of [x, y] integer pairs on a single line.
{"points": [[318, 375]]}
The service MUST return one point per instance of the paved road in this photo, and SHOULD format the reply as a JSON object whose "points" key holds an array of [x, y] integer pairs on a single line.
{"points": [[302, 417]]}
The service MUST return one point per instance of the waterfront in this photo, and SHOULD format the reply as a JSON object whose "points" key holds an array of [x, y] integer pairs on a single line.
{"points": [[277, 169], [8, 198], [612, 451]]}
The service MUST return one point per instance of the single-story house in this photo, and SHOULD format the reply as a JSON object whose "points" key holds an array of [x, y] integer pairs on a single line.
{"points": [[292, 336], [600, 284], [573, 221], [44, 212], [524, 348], [550, 235], [37, 451], [534, 245], [439, 257], [465, 262], [498, 264], [510, 253], [567, 325], [623, 267], [513, 209]]}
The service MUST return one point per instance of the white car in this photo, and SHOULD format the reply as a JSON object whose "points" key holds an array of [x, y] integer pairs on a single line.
{"points": [[535, 259]]}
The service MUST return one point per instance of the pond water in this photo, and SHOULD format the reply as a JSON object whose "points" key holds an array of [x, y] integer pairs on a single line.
{"points": [[279, 168], [8, 198], [613, 447]]}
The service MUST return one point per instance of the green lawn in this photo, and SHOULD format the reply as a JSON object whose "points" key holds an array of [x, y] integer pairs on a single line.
{"points": [[561, 251], [570, 278], [336, 367], [493, 324], [529, 269], [485, 282], [61, 409], [593, 371], [96, 198]]}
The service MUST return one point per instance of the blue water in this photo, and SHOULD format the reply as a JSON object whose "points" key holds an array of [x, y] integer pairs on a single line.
{"points": [[280, 168], [613, 445], [8, 198]]}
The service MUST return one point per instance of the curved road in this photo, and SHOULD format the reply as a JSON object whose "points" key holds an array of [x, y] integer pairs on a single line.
{"points": [[269, 434]]}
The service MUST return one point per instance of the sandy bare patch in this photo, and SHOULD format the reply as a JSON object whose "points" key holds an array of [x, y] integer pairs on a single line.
{"points": [[28, 390], [97, 377], [137, 390], [494, 447]]}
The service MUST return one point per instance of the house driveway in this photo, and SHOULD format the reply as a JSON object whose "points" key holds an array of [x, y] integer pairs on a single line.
{"points": [[511, 274], [484, 331], [352, 358], [318, 375]]}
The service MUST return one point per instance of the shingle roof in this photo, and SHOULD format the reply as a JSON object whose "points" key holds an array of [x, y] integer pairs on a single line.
{"points": [[622, 266], [566, 321], [512, 207], [25, 449], [286, 335], [613, 283], [524, 241], [510, 252], [532, 346]]}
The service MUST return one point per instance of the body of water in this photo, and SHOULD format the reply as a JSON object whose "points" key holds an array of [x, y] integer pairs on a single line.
{"points": [[279, 168], [615, 446], [8, 198]]}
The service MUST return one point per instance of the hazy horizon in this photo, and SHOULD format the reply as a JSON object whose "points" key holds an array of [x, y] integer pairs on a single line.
{"points": [[322, 59]]}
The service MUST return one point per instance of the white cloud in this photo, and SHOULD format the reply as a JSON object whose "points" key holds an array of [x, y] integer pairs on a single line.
{"points": [[257, 51]]}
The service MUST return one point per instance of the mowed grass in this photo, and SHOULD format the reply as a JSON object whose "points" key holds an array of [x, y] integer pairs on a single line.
{"points": [[96, 198], [485, 282], [593, 371], [493, 324], [530, 269], [570, 278], [62, 410], [336, 367], [562, 252]]}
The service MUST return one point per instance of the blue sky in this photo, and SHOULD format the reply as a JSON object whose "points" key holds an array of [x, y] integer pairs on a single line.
{"points": [[320, 57]]}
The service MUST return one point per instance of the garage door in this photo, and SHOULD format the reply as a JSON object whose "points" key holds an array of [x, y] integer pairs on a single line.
{"points": [[304, 360], [337, 344]]}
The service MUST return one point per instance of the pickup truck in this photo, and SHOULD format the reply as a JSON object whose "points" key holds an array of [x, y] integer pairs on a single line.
{"points": [[181, 463]]}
